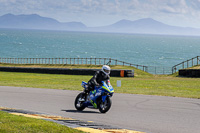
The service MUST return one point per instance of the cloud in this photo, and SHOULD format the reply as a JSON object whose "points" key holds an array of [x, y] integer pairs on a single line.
{"points": [[117, 7], [102, 12]]}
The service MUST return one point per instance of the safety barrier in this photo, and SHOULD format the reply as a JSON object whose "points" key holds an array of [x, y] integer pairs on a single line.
{"points": [[186, 64], [114, 73], [189, 72], [101, 61]]}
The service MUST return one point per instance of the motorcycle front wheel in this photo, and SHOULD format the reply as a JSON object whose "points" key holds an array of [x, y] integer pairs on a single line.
{"points": [[105, 106], [80, 99]]}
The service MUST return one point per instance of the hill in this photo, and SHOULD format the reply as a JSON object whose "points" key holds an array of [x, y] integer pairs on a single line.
{"points": [[141, 26], [35, 21], [147, 26]]}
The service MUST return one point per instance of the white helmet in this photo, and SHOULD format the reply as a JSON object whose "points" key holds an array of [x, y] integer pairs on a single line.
{"points": [[106, 69]]}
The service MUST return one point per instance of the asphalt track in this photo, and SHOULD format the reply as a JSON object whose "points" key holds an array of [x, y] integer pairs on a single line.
{"points": [[150, 114]]}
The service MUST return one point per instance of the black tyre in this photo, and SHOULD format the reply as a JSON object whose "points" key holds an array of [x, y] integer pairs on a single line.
{"points": [[105, 106], [80, 99]]}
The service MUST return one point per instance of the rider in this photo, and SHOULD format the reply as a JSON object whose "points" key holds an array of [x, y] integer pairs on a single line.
{"points": [[98, 77]]}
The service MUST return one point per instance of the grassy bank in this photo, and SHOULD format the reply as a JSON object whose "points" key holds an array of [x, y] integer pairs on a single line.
{"points": [[19, 124], [64, 66], [143, 83], [194, 67]]}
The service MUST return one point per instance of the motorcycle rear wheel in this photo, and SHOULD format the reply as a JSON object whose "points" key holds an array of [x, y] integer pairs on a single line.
{"points": [[105, 106], [78, 103]]}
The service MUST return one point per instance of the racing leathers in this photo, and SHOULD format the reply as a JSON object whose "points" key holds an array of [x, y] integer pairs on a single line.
{"points": [[96, 80]]}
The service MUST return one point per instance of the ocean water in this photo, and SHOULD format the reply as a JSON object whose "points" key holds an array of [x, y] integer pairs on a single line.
{"points": [[150, 50]]}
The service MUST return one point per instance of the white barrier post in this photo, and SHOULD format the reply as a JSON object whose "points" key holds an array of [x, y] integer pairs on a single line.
{"points": [[118, 83]]}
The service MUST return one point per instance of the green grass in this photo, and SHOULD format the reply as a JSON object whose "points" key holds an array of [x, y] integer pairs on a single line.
{"points": [[162, 85], [194, 67], [19, 124], [143, 83]]}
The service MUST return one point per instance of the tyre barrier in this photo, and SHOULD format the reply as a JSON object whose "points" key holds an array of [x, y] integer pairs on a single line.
{"points": [[189, 72], [67, 71]]}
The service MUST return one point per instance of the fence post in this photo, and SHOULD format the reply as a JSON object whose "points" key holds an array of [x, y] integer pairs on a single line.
{"points": [[99, 61], [66, 60], [192, 62], [197, 60], [90, 61], [110, 61]]}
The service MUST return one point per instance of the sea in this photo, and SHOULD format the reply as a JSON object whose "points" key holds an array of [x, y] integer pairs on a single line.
{"points": [[149, 50]]}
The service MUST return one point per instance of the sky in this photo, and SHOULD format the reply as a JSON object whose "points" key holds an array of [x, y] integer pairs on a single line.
{"points": [[184, 13]]}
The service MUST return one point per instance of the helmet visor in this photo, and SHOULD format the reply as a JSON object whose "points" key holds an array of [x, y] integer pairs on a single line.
{"points": [[107, 71]]}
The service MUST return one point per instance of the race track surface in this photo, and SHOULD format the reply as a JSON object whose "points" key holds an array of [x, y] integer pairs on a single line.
{"points": [[150, 114]]}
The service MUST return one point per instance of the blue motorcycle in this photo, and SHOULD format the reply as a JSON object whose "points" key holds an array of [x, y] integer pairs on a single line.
{"points": [[99, 98]]}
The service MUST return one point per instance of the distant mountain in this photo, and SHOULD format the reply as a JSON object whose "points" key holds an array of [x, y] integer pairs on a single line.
{"points": [[141, 26], [147, 26], [35, 21]]}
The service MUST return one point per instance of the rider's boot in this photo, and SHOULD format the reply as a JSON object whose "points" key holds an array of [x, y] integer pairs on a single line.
{"points": [[86, 90]]}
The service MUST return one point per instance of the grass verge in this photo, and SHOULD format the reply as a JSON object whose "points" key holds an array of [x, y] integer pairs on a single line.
{"points": [[19, 124], [143, 83]]}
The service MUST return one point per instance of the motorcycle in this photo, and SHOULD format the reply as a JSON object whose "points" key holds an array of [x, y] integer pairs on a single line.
{"points": [[99, 98]]}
